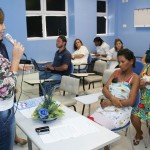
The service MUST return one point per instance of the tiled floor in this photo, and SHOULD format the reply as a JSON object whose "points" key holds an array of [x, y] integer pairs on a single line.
{"points": [[123, 144]]}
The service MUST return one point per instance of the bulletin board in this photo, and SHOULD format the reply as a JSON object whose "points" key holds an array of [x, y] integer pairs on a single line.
{"points": [[142, 17]]}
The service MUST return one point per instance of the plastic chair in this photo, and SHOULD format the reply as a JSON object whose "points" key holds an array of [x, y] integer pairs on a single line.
{"points": [[89, 59], [71, 86], [99, 68], [71, 70], [138, 67], [89, 62], [106, 75]]}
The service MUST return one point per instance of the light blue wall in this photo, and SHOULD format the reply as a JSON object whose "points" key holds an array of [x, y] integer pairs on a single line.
{"points": [[136, 39], [112, 22], [85, 22], [14, 21], [82, 24]]}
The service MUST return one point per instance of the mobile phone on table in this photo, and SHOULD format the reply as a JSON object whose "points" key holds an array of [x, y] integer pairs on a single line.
{"points": [[42, 130]]}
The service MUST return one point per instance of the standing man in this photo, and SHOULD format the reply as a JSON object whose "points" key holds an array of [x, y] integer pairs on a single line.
{"points": [[59, 67]]}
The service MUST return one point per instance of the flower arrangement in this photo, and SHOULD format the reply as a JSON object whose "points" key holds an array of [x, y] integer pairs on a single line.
{"points": [[49, 109]]}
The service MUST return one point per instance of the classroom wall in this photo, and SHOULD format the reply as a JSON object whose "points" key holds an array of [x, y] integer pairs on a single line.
{"points": [[82, 24], [15, 22], [85, 21], [136, 39]]}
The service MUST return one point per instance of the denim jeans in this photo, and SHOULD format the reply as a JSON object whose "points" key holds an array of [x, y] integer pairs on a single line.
{"points": [[48, 85], [7, 129]]}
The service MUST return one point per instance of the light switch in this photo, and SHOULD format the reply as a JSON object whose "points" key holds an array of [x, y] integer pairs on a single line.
{"points": [[124, 25], [124, 1]]}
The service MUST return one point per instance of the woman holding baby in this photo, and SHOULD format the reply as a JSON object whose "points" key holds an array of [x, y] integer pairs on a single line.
{"points": [[121, 92]]}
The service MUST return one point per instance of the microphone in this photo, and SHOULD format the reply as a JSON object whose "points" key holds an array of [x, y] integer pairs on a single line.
{"points": [[11, 40]]}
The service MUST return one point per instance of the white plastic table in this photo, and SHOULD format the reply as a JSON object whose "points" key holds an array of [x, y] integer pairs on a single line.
{"points": [[91, 141], [82, 75], [37, 81], [88, 100]]}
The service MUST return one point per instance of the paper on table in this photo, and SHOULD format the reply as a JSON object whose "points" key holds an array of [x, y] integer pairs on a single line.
{"points": [[82, 125], [72, 127], [59, 133], [29, 103]]}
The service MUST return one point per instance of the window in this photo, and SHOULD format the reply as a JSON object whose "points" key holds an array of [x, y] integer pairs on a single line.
{"points": [[46, 18], [101, 16]]}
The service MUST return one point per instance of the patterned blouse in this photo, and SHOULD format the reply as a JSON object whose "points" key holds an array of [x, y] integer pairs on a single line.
{"points": [[7, 79]]}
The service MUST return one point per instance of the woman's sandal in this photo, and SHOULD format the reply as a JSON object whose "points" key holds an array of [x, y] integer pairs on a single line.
{"points": [[136, 141]]}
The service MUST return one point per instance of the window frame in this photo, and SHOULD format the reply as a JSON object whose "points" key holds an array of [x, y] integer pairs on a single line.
{"points": [[105, 15], [43, 13]]}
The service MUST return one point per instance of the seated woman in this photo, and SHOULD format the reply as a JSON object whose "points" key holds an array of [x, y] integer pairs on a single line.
{"points": [[101, 48], [115, 110], [112, 54], [80, 56], [142, 111]]}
